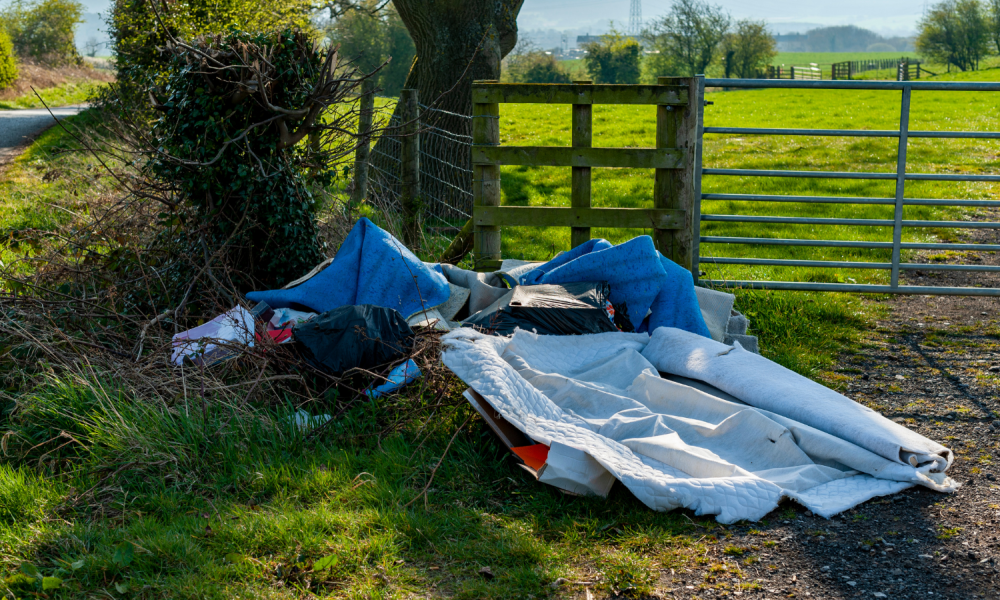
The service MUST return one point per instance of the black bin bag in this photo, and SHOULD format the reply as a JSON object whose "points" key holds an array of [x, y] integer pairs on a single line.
{"points": [[565, 309], [351, 337]]}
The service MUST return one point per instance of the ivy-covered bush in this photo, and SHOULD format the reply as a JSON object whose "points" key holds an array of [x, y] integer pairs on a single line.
{"points": [[231, 114], [140, 29], [8, 62]]}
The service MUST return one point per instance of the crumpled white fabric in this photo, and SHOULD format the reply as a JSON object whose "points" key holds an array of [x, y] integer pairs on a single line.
{"points": [[600, 405]]}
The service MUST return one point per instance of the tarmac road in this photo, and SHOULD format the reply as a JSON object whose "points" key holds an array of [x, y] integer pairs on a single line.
{"points": [[18, 127]]}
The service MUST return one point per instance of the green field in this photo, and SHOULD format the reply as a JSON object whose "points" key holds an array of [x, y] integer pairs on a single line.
{"points": [[576, 68], [633, 126]]}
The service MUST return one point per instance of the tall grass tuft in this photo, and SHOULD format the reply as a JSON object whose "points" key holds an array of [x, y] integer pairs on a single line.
{"points": [[150, 444]]}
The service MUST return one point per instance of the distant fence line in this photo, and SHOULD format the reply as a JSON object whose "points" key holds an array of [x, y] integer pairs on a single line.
{"points": [[906, 69], [848, 69], [813, 71]]}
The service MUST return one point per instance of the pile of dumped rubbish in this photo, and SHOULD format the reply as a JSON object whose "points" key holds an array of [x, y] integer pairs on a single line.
{"points": [[604, 364]]}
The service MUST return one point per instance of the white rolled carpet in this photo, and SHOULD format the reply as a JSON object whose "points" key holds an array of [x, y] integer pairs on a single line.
{"points": [[601, 406], [767, 385]]}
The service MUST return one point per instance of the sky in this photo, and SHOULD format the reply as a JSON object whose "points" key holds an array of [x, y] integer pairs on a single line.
{"points": [[95, 6], [888, 17]]}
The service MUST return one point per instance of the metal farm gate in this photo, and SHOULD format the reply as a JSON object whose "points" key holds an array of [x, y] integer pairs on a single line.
{"points": [[899, 201], [675, 217]]}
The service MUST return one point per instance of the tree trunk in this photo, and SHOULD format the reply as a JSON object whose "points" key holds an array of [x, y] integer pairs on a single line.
{"points": [[457, 42]]}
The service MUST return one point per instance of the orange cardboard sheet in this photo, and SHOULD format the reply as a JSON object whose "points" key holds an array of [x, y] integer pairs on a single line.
{"points": [[533, 456]]}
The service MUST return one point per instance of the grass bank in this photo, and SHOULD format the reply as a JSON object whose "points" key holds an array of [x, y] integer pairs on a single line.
{"points": [[58, 86]]}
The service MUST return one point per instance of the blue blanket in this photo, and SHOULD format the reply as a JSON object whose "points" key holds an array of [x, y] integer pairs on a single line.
{"points": [[371, 267], [639, 276]]}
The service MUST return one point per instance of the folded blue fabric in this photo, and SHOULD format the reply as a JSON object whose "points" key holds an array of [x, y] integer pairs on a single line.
{"points": [[371, 267], [639, 276]]}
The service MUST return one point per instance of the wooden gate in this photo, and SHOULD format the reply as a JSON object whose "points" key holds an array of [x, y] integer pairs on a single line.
{"points": [[676, 192]]}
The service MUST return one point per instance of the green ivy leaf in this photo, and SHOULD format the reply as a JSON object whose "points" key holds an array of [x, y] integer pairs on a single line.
{"points": [[122, 587]]}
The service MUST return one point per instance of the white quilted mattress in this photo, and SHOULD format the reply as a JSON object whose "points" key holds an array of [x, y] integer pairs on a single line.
{"points": [[601, 406]]}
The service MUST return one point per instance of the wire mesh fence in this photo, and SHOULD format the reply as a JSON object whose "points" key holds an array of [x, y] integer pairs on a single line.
{"points": [[445, 168], [385, 166], [445, 165]]}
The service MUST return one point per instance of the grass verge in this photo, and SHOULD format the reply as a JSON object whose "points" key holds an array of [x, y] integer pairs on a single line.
{"points": [[65, 94], [127, 497], [44, 184], [106, 493], [58, 86]]}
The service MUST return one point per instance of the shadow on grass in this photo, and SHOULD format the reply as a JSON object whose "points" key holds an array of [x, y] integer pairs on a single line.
{"points": [[261, 510]]}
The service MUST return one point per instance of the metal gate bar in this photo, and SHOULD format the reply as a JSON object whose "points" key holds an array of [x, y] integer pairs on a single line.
{"points": [[850, 200], [986, 135], [898, 201]]}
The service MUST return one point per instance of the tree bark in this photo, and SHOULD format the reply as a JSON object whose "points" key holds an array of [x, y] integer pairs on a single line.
{"points": [[457, 42]]}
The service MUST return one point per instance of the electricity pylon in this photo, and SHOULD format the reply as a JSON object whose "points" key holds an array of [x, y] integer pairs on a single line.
{"points": [[635, 19]]}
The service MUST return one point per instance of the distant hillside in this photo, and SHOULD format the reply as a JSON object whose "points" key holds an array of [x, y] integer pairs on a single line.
{"points": [[843, 38]]}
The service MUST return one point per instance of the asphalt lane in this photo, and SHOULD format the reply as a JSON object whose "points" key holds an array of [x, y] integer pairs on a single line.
{"points": [[18, 127]]}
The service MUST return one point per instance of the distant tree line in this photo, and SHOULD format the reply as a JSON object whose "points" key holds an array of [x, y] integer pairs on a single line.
{"points": [[39, 30], [527, 63], [692, 37], [960, 33]]}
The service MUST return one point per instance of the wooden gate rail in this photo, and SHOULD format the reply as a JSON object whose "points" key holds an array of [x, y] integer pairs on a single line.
{"points": [[674, 216]]}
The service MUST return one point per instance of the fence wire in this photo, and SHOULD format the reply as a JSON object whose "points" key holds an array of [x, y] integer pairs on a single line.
{"points": [[385, 166], [445, 165], [445, 168]]}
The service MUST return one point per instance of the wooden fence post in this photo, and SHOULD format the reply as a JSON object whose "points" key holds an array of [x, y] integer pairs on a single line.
{"points": [[677, 127], [486, 184], [580, 195], [410, 165], [367, 108]]}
